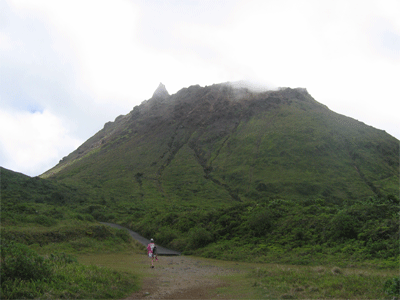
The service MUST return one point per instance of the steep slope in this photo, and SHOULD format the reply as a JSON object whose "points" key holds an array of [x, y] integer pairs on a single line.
{"points": [[214, 145]]}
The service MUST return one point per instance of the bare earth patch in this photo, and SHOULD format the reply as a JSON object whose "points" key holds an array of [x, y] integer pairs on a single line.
{"points": [[180, 277]]}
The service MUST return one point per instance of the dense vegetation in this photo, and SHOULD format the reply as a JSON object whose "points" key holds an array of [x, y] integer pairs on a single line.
{"points": [[27, 275], [41, 228], [309, 232]]}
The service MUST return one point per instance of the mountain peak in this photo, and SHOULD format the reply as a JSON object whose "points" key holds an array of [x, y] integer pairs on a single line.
{"points": [[161, 91]]}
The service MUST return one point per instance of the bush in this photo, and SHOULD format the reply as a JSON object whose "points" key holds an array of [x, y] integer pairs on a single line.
{"points": [[26, 275], [20, 262], [165, 236], [392, 287], [261, 223], [344, 226], [45, 221], [123, 235], [199, 237]]}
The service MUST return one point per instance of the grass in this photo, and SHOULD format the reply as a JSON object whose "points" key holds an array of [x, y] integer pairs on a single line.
{"points": [[25, 274], [122, 262], [268, 281], [73, 282], [71, 236], [278, 281]]}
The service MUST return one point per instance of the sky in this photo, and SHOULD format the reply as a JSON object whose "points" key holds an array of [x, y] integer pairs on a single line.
{"points": [[69, 66]]}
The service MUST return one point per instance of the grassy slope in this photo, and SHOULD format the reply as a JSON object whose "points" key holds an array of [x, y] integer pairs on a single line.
{"points": [[308, 154], [297, 149]]}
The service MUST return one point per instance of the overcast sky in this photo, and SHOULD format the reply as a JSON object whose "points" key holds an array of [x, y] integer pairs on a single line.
{"points": [[68, 67]]}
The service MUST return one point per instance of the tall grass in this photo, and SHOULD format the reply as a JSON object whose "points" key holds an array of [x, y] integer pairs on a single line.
{"points": [[293, 282], [26, 274], [279, 281]]}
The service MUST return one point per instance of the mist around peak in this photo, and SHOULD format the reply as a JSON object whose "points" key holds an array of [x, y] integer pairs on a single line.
{"points": [[253, 85], [161, 91]]}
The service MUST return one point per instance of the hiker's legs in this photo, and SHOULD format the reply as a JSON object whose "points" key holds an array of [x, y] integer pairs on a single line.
{"points": [[151, 257]]}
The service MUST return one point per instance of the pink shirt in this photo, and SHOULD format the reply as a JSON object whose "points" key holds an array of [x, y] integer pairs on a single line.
{"points": [[150, 248]]}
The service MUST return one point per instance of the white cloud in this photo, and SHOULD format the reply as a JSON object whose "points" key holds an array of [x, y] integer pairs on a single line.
{"points": [[33, 142]]}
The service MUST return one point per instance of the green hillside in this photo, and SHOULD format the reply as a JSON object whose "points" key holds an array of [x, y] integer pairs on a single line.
{"points": [[217, 145]]}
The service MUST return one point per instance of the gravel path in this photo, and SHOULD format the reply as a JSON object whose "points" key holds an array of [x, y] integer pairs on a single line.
{"points": [[144, 241]]}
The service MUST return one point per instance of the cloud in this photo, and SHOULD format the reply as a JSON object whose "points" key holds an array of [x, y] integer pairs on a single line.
{"points": [[41, 63], [33, 142]]}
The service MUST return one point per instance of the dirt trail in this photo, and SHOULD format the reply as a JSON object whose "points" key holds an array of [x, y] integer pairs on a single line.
{"points": [[180, 277]]}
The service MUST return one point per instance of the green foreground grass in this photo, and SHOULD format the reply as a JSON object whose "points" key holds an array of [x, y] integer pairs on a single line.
{"points": [[270, 281], [274, 281]]}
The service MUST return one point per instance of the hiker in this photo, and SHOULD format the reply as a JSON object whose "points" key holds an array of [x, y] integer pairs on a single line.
{"points": [[152, 252]]}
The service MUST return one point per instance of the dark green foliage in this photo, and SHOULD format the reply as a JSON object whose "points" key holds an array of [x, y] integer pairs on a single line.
{"points": [[344, 226], [44, 220], [166, 235], [20, 262], [307, 232], [26, 275], [69, 233], [261, 223], [392, 288], [199, 237], [21, 190]]}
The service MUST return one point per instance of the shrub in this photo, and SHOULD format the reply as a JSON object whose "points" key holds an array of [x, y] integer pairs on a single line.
{"points": [[123, 235], [392, 287], [45, 221], [344, 225], [20, 262], [101, 232], [199, 237], [261, 223], [165, 236], [26, 275], [185, 223]]}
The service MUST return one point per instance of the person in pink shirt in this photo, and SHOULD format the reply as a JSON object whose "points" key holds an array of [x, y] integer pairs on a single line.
{"points": [[152, 252]]}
